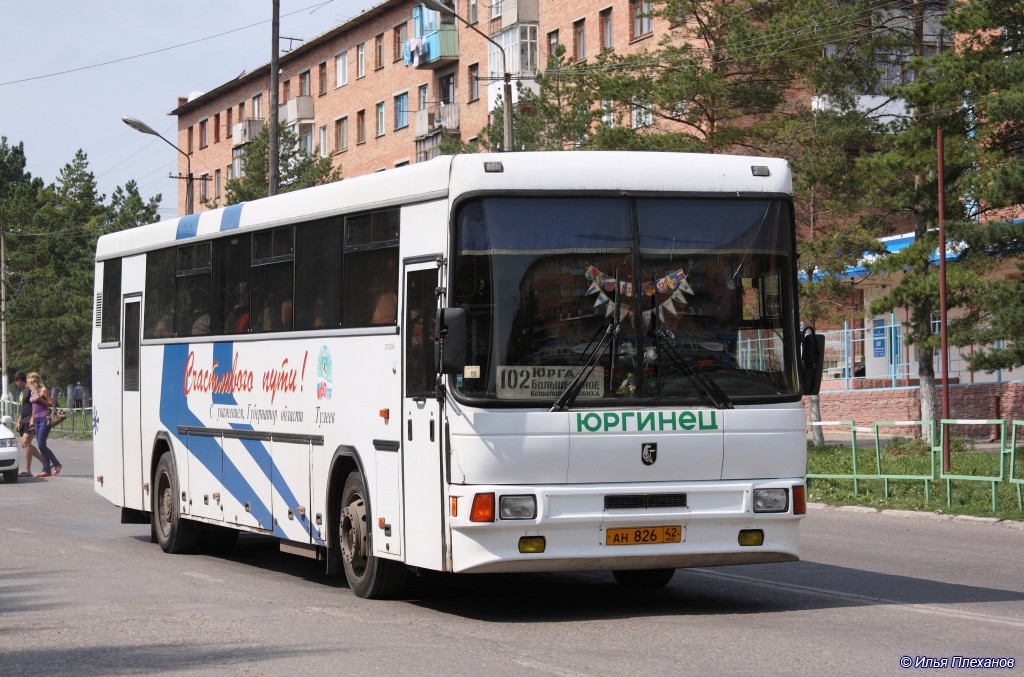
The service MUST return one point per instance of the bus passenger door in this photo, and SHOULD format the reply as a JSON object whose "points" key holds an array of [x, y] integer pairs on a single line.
{"points": [[421, 425], [131, 403]]}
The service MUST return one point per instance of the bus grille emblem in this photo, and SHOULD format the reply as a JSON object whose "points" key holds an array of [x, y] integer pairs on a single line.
{"points": [[648, 453]]}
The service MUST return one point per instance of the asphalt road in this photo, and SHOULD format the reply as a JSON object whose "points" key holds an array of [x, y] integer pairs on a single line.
{"points": [[81, 594]]}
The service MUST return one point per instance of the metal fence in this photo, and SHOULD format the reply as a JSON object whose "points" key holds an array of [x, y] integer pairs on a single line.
{"points": [[881, 354], [78, 424], [867, 463]]}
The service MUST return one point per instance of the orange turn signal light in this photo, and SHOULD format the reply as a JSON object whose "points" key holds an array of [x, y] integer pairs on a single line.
{"points": [[385, 414], [454, 503], [799, 499], [483, 508]]}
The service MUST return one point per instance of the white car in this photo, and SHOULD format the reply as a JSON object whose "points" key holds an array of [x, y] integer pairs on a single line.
{"points": [[10, 449]]}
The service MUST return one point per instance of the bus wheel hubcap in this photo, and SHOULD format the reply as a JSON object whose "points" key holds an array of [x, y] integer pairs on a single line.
{"points": [[353, 538]]}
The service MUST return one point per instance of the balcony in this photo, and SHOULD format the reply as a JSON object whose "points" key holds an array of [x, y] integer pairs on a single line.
{"points": [[434, 43], [440, 116], [245, 131], [299, 109]]}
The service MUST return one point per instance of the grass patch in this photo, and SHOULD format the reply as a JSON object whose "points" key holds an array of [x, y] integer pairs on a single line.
{"points": [[77, 426], [911, 457]]}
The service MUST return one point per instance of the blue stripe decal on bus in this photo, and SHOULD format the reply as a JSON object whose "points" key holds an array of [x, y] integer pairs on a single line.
{"points": [[188, 226], [174, 411], [231, 217], [223, 358]]}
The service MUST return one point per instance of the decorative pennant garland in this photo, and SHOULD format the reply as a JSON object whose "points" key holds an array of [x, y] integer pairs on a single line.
{"points": [[602, 283]]}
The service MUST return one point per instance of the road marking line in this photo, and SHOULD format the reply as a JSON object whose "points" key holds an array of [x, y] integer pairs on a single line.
{"points": [[202, 577], [854, 597]]}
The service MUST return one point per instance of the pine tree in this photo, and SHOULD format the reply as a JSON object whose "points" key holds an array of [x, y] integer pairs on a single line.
{"points": [[298, 169]]}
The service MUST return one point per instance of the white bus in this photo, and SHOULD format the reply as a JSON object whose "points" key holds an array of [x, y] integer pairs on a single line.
{"points": [[515, 362]]}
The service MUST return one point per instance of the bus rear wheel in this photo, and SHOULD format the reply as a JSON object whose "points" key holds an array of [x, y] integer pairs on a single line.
{"points": [[174, 534], [368, 577], [644, 578]]}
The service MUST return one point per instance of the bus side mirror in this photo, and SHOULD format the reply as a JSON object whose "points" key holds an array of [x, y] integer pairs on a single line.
{"points": [[450, 348], [812, 360]]}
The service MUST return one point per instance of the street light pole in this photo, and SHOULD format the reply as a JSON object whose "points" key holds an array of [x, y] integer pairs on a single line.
{"points": [[506, 95], [140, 126]]}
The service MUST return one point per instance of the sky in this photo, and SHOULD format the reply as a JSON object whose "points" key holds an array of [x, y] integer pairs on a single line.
{"points": [[70, 69]]}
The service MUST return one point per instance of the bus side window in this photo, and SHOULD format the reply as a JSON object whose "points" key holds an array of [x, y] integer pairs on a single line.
{"points": [[370, 270], [160, 294], [193, 289], [420, 306], [111, 321], [318, 280]]}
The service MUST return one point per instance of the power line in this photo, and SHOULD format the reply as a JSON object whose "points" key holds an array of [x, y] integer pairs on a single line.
{"points": [[155, 51]]}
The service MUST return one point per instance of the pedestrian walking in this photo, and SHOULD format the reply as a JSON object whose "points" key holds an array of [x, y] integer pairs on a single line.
{"points": [[41, 403], [24, 427], [79, 395]]}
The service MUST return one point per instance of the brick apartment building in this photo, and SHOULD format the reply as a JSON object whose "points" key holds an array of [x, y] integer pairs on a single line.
{"points": [[377, 92]]}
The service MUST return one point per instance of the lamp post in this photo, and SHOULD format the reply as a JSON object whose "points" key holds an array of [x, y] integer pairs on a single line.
{"points": [[140, 126], [506, 96]]}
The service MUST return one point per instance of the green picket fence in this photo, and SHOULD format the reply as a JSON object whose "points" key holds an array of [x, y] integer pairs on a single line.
{"points": [[888, 459], [78, 424]]}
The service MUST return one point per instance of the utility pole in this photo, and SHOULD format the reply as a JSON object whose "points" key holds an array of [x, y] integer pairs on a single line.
{"points": [[274, 171], [3, 311]]}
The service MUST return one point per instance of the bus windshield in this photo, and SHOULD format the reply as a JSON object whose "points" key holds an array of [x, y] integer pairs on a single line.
{"points": [[678, 288]]}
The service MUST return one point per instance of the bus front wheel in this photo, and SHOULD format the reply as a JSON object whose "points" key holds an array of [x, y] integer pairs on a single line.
{"points": [[368, 577], [174, 534], [643, 578]]}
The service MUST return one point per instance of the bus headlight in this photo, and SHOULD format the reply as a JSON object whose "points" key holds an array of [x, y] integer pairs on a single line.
{"points": [[771, 500], [517, 507]]}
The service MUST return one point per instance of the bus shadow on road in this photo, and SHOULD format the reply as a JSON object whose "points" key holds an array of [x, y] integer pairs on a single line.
{"points": [[744, 589], [747, 589]]}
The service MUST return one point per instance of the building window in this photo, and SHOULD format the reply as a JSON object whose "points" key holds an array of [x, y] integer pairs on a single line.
{"points": [[607, 37], [400, 35], [189, 136], [204, 187], [401, 110], [216, 183], [257, 107], [361, 60], [643, 20], [552, 44], [380, 119], [495, 9], [203, 140], [304, 84], [474, 82], [423, 94], [228, 132], [241, 111], [323, 141], [378, 52], [520, 46], [446, 88], [361, 127], [641, 114], [341, 69], [216, 128], [341, 134], [286, 91], [237, 154], [322, 71], [608, 113], [579, 40]]}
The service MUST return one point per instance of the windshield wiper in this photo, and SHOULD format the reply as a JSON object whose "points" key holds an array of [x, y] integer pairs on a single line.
{"points": [[715, 394], [575, 386]]}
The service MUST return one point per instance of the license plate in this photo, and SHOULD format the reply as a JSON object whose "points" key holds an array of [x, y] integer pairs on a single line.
{"points": [[644, 535]]}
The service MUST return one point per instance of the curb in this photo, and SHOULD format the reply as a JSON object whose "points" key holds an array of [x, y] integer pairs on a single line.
{"points": [[915, 514]]}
